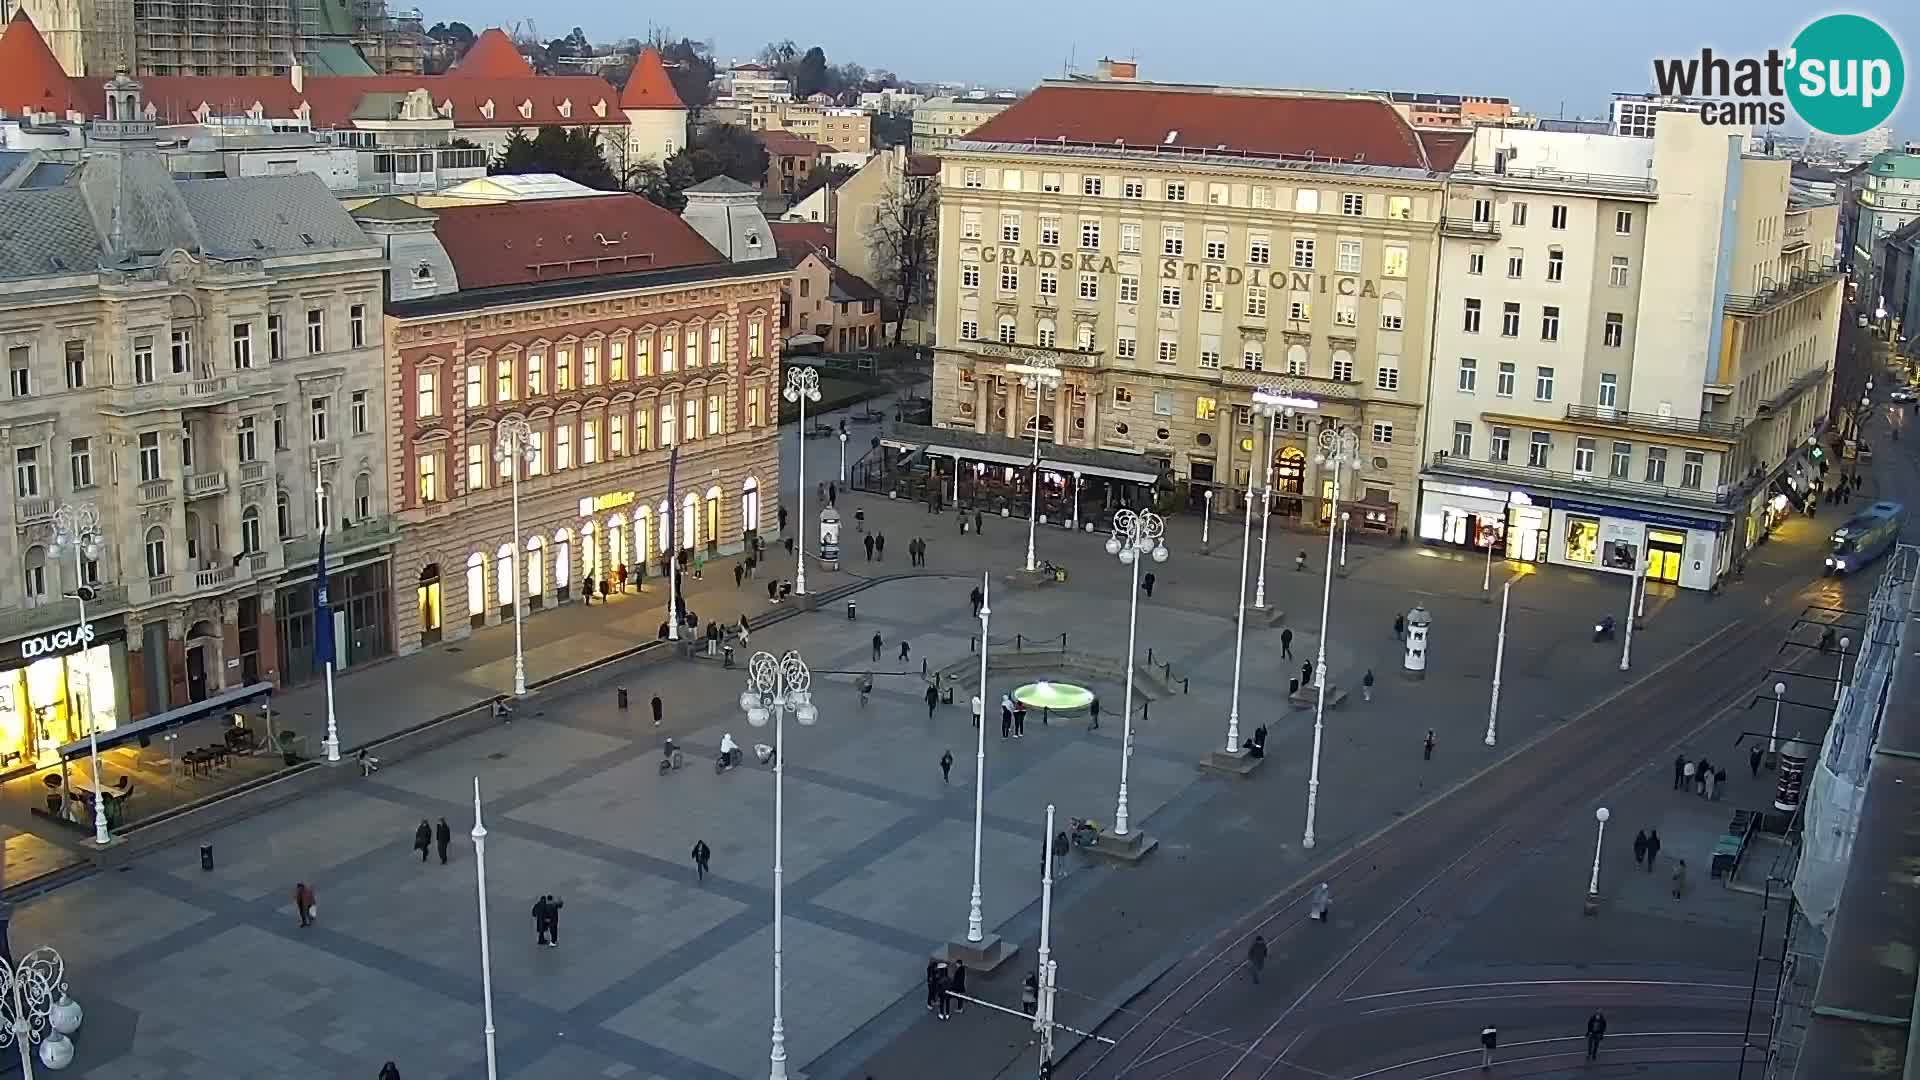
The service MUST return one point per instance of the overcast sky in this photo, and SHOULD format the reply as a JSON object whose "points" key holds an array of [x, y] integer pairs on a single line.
{"points": [[1545, 56]]}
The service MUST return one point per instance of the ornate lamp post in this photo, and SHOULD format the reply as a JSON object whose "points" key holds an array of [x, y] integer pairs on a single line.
{"points": [[1135, 533], [1206, 518], [76, 528], [1593, 883], [803, 385], [1773, 733], [1499, 661], [513, 448], [479, 835], [35, 1008], [976, 928], [1339, 449], [1272, 403], [330, 744], [776, 685], [1037, 378], [843, 451]]}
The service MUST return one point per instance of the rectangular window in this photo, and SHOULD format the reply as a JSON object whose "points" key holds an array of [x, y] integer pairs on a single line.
{"points": [[1342, 367], [536, 374], [1125, 346], [1462, 439], [1477, 261], [1049, 230], [1130, 236], [690, 419], [1049, 283], [669, 350], [1516, 262], [1549, 323], [1471, 320], [1469, 374], [643, 427], [1540, 450], [1348, 259], [693, 358], [319, 425], [970, 225], [562, 446], [1122, 398], [80, 456], [1211, 298], [1582, 452], [969, 330], [1622, 464], [754, 417], [504, 381], [1259, 249], [1656, 465], [316, 331], [1556, 264], [1009, 278], [1089, 234], [1557, 218], [182, 351], [1173, 240], [426, 393], [1253, 356], [1204, 408], [1169, 351], [1050, 183], [77, 364], [1008, 335], [1299, 307], [616, 435], [1303, 253], [149, 456], [1346, 311], [476, 466], [19, 371], [969, 275], [1129, 290], [1353, 204], [590, 362], [1519, 213], [1614, 331], [357, 325], [26, 472], [1176, 191], [359, 412], [1543, 384], [1306, 201], [1693, 467], [974, 178], [1393, 313], [666, 426], [1091, 185], [476, 378], [429, 477], [1169, 296], [1623, 222], [1044, 336], [1509, 320], [1261, 197], [1133, 188], [643, 355], [279, 427], [1257, 301], [1387, 375], [1382, 434], [1504, 379], [1617, 272], [1499, 445], [1393, 261], [1609, 389], [276, 338], [142, 361], [1400, 207], [1216, 246], [1482, 211], [1210, 356], [713, 414]]}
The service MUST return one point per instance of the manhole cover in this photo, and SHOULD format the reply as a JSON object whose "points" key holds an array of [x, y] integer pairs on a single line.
{"points": [[496, 757]]}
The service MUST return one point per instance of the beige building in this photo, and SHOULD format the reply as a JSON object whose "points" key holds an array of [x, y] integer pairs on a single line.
{"points": [[845, 130], [1635, 340], [1173, 247], [890, 184], [938, 121], [191, 373]]}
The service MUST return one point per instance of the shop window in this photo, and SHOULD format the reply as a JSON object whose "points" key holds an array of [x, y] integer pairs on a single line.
{"points": [[1583, 540]]}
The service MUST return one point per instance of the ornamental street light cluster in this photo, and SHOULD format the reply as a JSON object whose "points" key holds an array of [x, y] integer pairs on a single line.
{"points": [[1037, 378], [1339, 449], [1274, 404], [36, 1011], [513, 449], [1135, 533], [76, 529], [803, 385]]}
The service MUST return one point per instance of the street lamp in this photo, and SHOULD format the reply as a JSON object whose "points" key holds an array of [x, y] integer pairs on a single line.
{"points": [[330, 744], [1240, 618], [76, 528], [1593, 883], [1048, 971], [1272, 403], [1773, 734], [35, 1008], [514, 446], [1638, 583], [1339, 448], [1343, 538], [1036, 378], [1135, 533], [774, 686], [843, 451], [1206, 518], [479, 835], [803, 385], [1499, 660], [1840, 677], [976, 932]]}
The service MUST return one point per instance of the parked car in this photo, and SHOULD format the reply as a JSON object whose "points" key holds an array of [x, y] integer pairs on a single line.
{"points": [[1901, 394]]}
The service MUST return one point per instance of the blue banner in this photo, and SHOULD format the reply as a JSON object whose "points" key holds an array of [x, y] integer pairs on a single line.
{"points": [[322, 613]]}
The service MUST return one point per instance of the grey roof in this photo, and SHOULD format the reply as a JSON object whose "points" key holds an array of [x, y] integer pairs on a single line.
{"points": [[46, 231], [722, 185], [264, 216], [388, 208], [12, 161], [48, 174]]}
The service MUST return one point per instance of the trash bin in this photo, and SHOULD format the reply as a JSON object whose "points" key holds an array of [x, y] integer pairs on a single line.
{"points": [[1293, 686], [206, 856], [851, 611], [726, 655], [621, 694], [946, 695]]}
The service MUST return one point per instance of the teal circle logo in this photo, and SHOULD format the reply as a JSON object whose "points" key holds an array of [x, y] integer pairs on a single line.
{"points": [[1846, 75]]}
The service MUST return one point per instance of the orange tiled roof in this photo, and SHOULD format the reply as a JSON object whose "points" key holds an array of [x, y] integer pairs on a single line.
{"points": [[493, 56], [649, 86]]}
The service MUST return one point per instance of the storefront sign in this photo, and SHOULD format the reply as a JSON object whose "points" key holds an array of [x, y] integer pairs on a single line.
{"points": [[76, 637], [1175, 270], [61, 642], [599, 503], [1635, 514]]}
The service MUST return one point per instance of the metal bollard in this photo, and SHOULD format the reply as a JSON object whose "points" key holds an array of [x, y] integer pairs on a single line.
{"points": [[852, 611], [206, 856], [621, 695], [726, 656]]}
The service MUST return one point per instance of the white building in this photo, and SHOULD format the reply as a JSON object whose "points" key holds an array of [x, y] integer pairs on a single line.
{"points": [[1634, 340]]}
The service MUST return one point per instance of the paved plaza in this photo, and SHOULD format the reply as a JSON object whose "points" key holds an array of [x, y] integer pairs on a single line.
{"points": [[660, 975]]}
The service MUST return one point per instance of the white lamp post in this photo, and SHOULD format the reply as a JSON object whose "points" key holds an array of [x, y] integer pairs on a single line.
{"points": [[76, 528], [479, 835], [1270, 402], [1206, 519], [843, 453], [1240, 619], [330, 744], [1135, 533], [1037, 378], [1773, 734], [1633, 589], [1486, 578], [35, 1008], [1593, 883], [1049, 972], [976, 931], [775, 685], [803, 385], [514, 447], [1339, 448], [1343, 538], [1840, 677], [1499, 660]]}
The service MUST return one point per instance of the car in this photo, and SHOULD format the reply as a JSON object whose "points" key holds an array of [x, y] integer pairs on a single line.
{"points": [[1902, 394]]}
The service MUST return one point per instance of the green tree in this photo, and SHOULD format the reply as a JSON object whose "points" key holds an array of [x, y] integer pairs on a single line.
{"points": [[818, 177], [662, 185], [570, 152], [810, 73], [725, 150]]}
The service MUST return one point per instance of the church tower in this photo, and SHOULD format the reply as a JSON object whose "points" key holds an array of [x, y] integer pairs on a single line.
{"points": [[656, 117]]}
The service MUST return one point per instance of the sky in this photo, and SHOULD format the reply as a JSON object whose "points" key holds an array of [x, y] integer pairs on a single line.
{"points": [[1552, 59]]}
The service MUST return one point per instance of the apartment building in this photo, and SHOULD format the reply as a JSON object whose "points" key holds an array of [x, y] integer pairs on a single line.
{"points": [[1460, 111], [1170, 248], [197, 361], [1888, 200], [938, 121], [847, 131], [640, 362], [1634, 340]]}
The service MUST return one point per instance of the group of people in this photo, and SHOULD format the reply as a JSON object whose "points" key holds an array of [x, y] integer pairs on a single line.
{"points": [[429, 835], [944, 981], [1705, 779]]}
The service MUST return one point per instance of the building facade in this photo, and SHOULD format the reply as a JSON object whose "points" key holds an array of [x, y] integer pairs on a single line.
{"points": [[643, 364], [1888, 200], [1634, 340], [1171, 248], [205, 375], [92, 38], [938, 121]]}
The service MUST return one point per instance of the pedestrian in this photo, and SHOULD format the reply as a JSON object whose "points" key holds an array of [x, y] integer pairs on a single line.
{"points": [[1399, 628], [936, 980], [976, 599], [913, 552], [1428, 746], [1321, 906], [1257, 956], [1306, 673], [1711, 779], [963, 523], [1639, 847], [783, 519], [833, 494], [979, 524], [933, 699], [656, 710], [539, 914], [746, 629], [1700, 772], [820, 491], [877, 643], [1286, 643], [1019, 719], [944, 993], [867, 540], [1753, 760], [880, 546], [423, 839], [586, 590], [1146, 584], [303, 902], [1093, 714], [620, 576], [1653, 848], [1006, 716], [442, 836], [946, 767], [1679, 772], [389, 1071], [1489, 1042], [702, 854], [975, 704], [957, 984], [906, 651], [1679, 878], [923, 551], [1030, 994], [1719, 781], [1686, 776], [1062, 846], [553, 921], [739, 574], [789, 545], [1596, 1030], [1366, 686]]}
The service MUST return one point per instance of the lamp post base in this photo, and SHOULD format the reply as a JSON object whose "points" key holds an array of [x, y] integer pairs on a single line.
{"points": [[1237, 763], [1131, 848], [1590, 906], [983, 957]]}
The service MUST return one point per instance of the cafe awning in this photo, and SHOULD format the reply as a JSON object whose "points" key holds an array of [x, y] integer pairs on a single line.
{"points": [[225, 701], [1006, 450]]}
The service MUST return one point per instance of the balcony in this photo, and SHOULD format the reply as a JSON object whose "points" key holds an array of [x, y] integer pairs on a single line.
{"points": [[324, 452], [369, 532], [219, 575], [31, 511], [253, 472], [1469, 229], [160, 586], [1811, 378], [155, 491], [1777, 296], [1518, 179], [21, 621], [1719, 499], [1653, 422], [191, 394], [204, 484], [1303, 386]]}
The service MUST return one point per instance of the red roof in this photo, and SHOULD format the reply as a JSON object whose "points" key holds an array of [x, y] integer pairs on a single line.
{"points": [[550, 239], [1444, 147], [493, 56], [31, 80], [649, 86], [1141, 115], [794, 239], [787, 144]]}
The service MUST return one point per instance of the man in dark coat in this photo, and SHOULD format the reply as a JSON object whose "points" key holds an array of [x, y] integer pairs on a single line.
{"points": [[702, 854], [423, 839], [442, 836]]}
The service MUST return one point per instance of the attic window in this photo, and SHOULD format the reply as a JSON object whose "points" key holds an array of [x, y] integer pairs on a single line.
{"points": [[600, 108], [526, 110], [486, 109], [307, 239], [422, 276], [446, 108], [753, 239], [566, 108]]}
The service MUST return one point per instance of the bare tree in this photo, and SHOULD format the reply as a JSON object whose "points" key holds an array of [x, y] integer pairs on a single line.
{"points": [[904, 239]]}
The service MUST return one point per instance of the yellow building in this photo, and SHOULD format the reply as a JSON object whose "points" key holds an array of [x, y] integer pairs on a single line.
{"points": [[1173, 247]]}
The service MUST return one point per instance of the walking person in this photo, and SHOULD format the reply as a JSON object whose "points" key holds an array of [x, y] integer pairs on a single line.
{"points": [[957, 984], [586, 588], [702, 854], [1146, 584], [1709, 782], [1306, 674], [946, 767], [1366, 686], [1679, 878], [620, 577], [303, 902], [1686, 776], [906, 651], [1653, 848], [1030, 994], [423, 839], [942, 1003], [975, 704], [1596, 1030], [656, 710], [1399, 628], [1093, 714], [867, 540], [877, 643], [833, 494], [1257, 957], [1719, 781], [1639, 847], [746, 629], [739, 573], [1753, 760], [1006, 716], [539, 914], [442, 837], [933, 699], [880, 546], [1489, 1042], [976, 599], [1427, 746], [1019, 719], [1679, 773], [1286, 643], [979, 523], [553, 921], [1700, 778]]}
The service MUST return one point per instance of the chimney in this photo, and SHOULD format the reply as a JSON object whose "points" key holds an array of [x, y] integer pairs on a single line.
{"points": [[299, 78], [1118, 70]]}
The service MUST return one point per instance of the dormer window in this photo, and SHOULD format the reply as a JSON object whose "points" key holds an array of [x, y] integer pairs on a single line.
{"points": [[753, 239], [526, 110], [446, 108], [486, 109], [600, 108], [566, 109], [422, 276]]}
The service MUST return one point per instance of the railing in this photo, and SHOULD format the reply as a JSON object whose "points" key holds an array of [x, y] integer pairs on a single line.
{"points": [[253, 472], [1459, 226], [156, 491], [374, 530], [30, 510], [257, 563], [206, 483], [160, 586], [206, 388], [1715, 498], [207, 579], [1763, 302], [17, 622], [1306, 386], [1564, 181], [1655, 422]]}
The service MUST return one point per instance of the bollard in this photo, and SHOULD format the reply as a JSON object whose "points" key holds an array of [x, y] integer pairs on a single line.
{"points": [[851, 611], [206, 856], [620, 694], [1293, 686], [726, 658]]}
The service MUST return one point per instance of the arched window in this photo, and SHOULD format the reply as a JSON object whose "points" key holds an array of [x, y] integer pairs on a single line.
{"points": [[750, 504], [36, 575], [476, 587], [283, 513], [712, 536], [1083, 337], [536, 567], [589, 550], [689, 521], [642, 535], [616, 541], [363, 496], [250, 531], [1046, 333], [1296, 359], [426, 602], [503, 575], [562, 558], [1009, 333], [156, 552]]}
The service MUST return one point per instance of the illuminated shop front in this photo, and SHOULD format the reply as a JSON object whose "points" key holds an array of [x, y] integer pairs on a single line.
{"points": [[56, 687]]}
